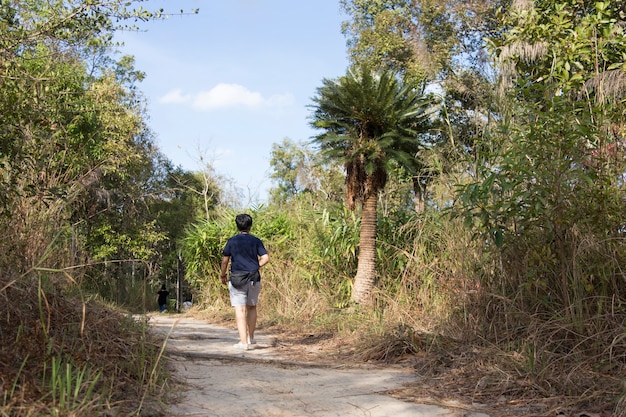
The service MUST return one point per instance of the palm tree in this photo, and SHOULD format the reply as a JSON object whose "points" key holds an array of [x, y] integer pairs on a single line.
{"points": [[372, 122]]}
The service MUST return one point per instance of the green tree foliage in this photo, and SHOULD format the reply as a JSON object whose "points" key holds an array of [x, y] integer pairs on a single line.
{"points": [[80, 171], [423, 39], [372, 121], [440, 46], [291, 164], [298, 169], [379, 35], [177, 203], [551, 190]]}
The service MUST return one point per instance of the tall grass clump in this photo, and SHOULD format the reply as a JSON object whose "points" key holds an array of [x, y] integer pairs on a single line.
{"points": [[547, 207], [309, 278], [71, 387], [65, 354], [427, 281], [312, 253]]}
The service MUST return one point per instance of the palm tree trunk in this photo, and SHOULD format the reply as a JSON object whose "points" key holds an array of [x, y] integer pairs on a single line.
{"points": [[366, 268]]}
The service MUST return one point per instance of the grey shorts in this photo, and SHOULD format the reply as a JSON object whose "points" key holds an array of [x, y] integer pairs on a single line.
{"points": [[247, 296]]}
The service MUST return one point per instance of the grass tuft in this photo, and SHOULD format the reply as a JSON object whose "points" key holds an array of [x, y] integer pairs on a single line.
{"points": [[67, 355]]}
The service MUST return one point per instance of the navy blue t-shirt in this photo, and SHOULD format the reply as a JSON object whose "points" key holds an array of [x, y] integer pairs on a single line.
{"points": [[244, 250]]}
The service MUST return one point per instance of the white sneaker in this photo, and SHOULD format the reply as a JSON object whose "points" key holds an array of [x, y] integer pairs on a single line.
{"points": [[241, 346], [252, 341]]}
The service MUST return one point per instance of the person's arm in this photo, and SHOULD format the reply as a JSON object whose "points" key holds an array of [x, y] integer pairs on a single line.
{"points": [[263, 260], [224, 273]]}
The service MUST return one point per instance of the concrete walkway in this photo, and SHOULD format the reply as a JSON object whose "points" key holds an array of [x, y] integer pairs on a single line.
{"points": [[223, 381]]}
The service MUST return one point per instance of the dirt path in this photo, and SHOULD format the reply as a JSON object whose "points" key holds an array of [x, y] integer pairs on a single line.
{"points": [[221, 381]]}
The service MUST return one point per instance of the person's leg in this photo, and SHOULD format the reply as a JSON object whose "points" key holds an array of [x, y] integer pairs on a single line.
{"points": [[238, 301], [251, 321], [252, 299], [240, 316]]}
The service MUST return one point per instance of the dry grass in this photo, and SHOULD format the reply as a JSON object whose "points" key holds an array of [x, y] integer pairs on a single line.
{"points": [[449, 372], [539, 371], [111, 357]]}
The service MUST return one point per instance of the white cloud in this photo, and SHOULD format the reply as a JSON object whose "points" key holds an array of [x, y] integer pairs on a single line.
{"points": [[227, 95]]}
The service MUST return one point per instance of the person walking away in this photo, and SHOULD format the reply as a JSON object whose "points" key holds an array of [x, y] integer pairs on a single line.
{"points": [[246, 255], [162, 298]]}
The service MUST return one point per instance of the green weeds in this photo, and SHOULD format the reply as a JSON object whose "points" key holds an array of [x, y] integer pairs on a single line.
{"points": [[71, 387]]}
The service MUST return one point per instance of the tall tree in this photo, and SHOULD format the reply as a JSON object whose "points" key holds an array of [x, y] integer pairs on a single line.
{"points": [[440, 45], [372, 122]]}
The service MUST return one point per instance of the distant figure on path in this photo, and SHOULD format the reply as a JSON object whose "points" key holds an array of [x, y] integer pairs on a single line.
{"points": [[246, 254], [162, 298]]}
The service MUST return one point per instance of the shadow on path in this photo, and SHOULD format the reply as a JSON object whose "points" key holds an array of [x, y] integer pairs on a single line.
{"points": [[223, 381]]}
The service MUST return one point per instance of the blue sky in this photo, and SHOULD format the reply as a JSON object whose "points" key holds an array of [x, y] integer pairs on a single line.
{"points": [[229, 82]]}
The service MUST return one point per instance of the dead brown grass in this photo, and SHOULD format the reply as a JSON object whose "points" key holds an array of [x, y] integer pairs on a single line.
{"points": [[40, 322], [476, 372]]}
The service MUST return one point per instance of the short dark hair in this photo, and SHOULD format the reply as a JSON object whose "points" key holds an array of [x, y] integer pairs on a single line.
{"points": [[244, 222]]}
